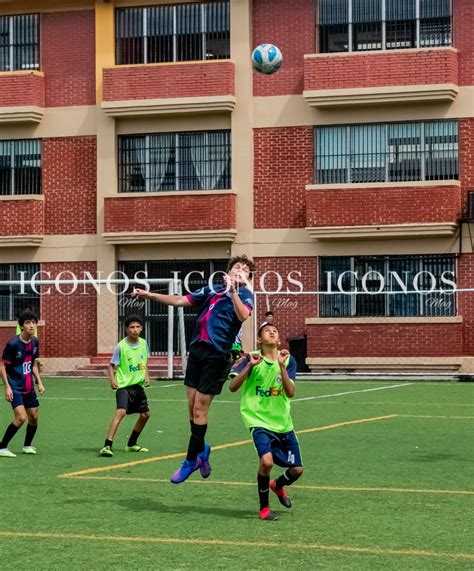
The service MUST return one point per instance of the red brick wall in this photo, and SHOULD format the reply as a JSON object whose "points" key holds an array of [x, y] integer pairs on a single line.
{"points": [[291, 27], [170, 213], [21, 217], [381, 69], [169, 80], [69, 185], [70, 320], [466, 153], [283, 167], [386, 340], [463, 24], [374, 206], [290, 311], [68, 57], [21, 89]]}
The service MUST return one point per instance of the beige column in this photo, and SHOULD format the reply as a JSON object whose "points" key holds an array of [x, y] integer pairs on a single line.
{"points": [[107, 303], [242, 137]]}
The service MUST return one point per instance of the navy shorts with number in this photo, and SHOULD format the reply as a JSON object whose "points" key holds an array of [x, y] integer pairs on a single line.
{"points": [[28, 400], [284, 446], [132, 399], [207, 369]]}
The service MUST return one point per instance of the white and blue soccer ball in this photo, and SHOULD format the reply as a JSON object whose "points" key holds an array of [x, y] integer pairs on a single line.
{"points": [[267, 59]]}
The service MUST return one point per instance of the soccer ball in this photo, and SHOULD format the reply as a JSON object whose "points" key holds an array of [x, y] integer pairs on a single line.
{"points": [[266, 59]]}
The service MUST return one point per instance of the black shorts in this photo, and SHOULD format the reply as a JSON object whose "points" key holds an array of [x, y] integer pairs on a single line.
{"points": [[207, 369], [28, 400], [132, 399]]}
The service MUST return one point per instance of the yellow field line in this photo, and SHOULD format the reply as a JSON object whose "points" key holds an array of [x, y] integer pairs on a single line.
{"points": [[298, 486], [432, 416], [231, 543], [214, 448]]}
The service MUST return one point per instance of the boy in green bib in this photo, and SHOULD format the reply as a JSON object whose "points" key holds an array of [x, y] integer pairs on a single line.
{"points": [[128, 374], [267, 377]]}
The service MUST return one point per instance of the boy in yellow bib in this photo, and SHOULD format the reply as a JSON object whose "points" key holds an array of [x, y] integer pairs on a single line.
{"points": [[267, 377], [128, 373]]}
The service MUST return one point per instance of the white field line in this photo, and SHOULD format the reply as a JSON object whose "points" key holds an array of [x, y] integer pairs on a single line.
{"points": [[353, 392]]}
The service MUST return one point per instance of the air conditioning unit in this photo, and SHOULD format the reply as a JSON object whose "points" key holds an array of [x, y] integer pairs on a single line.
{"points": [[470, 206]]}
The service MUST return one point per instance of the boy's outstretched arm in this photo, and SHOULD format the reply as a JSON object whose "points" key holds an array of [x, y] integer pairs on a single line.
{"points": [[176, 300], [241, 310], [238, 381], [288, 384]]}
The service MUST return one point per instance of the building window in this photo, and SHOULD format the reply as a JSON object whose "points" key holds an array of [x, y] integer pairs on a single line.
{"points": [[155, 315], [367, 25], [20, 167], [19, 42], [390, 152], [197, 160], [361, 274], [13, 299], [182, 32]]}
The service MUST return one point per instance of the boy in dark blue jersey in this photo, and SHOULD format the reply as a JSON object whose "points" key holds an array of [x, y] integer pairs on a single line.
{"points": [[222, 310], [18, 369]]}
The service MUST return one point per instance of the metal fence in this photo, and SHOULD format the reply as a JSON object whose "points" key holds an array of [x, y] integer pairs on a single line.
{"points": [[390, 152], [20, 167], [365, 25], [11, 303], [19, 42], [197, 160], [387, 274], [183, 32]]}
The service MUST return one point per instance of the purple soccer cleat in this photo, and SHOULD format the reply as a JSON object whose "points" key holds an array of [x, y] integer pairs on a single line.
{"points": [[184, 471], [204, 466]]}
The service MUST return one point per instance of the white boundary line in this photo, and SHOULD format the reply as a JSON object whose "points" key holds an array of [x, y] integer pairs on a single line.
{"points": [[353, 392]]}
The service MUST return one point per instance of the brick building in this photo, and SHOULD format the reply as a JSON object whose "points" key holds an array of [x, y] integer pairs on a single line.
{"points": [[134, 135]]}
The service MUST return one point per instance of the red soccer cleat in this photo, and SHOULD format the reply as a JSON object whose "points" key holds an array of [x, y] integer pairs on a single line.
{"points": [[281, 494], [267, 515]]}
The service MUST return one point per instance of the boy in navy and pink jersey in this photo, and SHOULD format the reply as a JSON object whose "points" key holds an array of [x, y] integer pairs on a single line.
{"points": [[222, 310], [18, 370]]}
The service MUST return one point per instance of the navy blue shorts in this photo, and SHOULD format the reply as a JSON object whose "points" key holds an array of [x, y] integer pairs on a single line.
{"points": [[284, 446], [28, 400]]}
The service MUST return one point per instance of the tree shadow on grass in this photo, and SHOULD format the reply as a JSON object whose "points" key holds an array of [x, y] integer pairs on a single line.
{"points": [[147, 504]]}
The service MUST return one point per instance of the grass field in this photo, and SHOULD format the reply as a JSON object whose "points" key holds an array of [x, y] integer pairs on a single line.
{"points": [[394, 492]]}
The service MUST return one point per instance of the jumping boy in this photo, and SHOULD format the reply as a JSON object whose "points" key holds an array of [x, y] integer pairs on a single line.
{"points": [[128, 372], [222, 310], [267, 377], [18, 370]]}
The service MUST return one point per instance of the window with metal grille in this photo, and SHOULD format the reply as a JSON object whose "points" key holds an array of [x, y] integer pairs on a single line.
{"points": [[366, 25], [155, 315], [387, 152], [198, 160], [20, 167], [387, 274], [19, 42], [182, 32], [15, 299]]}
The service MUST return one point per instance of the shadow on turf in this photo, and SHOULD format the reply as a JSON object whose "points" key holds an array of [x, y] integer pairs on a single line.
{"points": [[146, 504]]}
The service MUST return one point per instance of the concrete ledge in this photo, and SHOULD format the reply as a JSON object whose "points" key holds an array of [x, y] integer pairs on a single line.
{"points": [[192, 236], [383, 185], [381, 95], [386, 231], [169, 106], [23, 114], [385, 363], [22, 241], [10, 197], [380, 320]]}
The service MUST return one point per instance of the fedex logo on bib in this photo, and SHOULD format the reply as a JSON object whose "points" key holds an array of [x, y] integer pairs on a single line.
{"points": [[273, 392]]}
